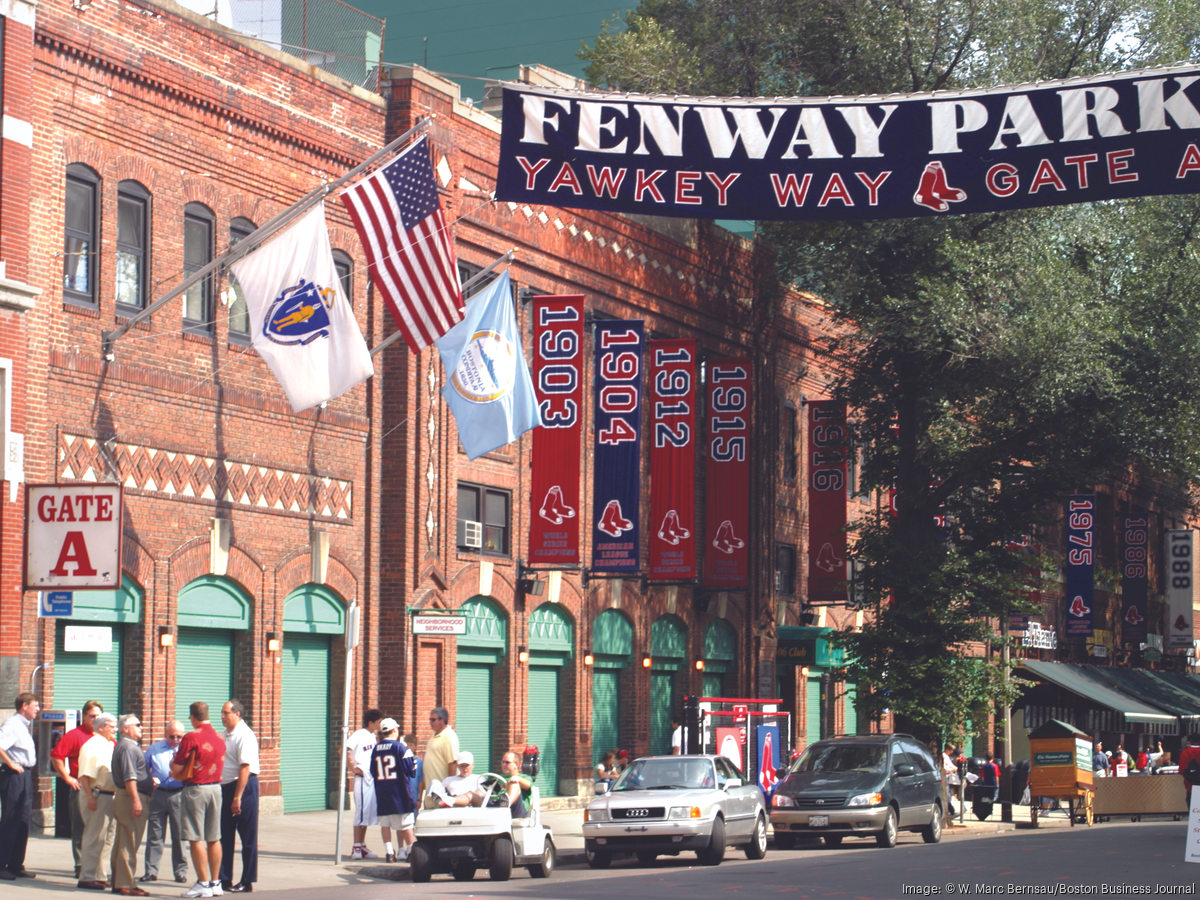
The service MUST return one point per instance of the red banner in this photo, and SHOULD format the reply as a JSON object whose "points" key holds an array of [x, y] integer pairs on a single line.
{"points": [[727, 473], [828, 446], [558, 384], [672, 460]]}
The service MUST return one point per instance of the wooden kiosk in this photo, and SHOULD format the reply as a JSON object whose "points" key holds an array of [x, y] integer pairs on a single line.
{"points": [[1060, 757]]}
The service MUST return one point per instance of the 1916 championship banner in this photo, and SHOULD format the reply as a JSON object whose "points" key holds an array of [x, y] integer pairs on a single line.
{"points": [[1131, 134], [828, 448], [672, 459], [558, 385]]}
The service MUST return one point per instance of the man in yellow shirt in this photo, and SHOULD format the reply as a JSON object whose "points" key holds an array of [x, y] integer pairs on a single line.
{"points": [[441, 753]]}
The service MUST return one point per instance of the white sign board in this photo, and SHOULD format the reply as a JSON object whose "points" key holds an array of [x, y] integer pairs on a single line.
{"points": [[439, 625], [72, 536], [1039, 638], [1191, 848], [87, 638], [1180, 562]]}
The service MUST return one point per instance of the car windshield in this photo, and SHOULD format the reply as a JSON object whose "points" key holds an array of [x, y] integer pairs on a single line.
{"points": [[841, 758], [671, 773]]}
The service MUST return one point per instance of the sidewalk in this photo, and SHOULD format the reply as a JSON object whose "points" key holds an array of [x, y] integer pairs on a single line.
{"points": [[296, 851]]}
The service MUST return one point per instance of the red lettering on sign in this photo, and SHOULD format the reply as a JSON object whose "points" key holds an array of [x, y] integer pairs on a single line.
{"points": [[74, 550]]}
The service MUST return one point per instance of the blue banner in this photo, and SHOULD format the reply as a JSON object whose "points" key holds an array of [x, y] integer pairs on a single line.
{"points": [[1110, 136], [1081, 564], [767, 768], [618, 423]]}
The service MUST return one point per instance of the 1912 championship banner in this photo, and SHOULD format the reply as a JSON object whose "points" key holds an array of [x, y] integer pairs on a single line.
{"points": [[1130, 134], [727, 473], [558, 385], [616, 482], [828, 446], [672, 459], [1081, 564]]}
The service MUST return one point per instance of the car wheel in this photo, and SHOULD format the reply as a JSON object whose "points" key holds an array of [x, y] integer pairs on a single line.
{"points": [[598, 859], [932, 833], [545, 868], [463, 871], [785, 841], [715, 851], [757, 848], [833, 840], [887, 837], [502, 858], [420, 863], [646, 858]]}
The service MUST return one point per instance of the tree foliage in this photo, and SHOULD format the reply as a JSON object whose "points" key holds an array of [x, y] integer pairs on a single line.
{"points": [[994, 362]]}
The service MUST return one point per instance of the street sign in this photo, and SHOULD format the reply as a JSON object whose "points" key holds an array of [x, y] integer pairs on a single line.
{"points": [[53, 604], [72, 536], [435, 624]]}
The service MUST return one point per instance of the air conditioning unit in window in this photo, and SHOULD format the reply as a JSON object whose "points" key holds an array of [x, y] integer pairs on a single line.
{"points": [[470, 534], [778, 582]]}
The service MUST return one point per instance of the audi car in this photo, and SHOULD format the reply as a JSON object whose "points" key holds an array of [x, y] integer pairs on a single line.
{"points": [[867, 785], [666, 805]]}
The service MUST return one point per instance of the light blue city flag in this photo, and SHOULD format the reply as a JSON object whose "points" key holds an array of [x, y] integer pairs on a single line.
{"points": [[488, 387]]}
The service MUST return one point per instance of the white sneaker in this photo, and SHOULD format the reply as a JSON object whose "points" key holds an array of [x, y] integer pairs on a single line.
{"points": [[359, 852], [215, 887], [367, 854], [199, 889], [402, 854]]}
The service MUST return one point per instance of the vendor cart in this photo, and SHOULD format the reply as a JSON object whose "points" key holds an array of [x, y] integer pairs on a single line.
{"points": [[1061, 769]]}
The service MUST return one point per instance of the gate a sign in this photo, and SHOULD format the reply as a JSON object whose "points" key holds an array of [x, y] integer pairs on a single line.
{"points": [[72, 536]]}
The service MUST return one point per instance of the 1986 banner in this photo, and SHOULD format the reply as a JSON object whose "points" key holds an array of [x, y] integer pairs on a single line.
{"points": [[672, 459], [1104, 137], [558, 384], [617, 487], [727, 473], [1135, 546]]}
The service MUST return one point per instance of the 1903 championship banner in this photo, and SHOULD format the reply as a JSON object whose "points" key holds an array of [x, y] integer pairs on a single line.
{"points": [[1081, 564], [672, 459], [1131, 134], [558, 385], [617, 485], [727, 473]]}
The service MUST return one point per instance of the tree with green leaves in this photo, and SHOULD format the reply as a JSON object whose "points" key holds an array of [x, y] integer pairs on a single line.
{"points": [[993, 362]]}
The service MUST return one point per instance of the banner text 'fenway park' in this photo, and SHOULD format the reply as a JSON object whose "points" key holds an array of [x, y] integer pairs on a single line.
{"points": [[1131, 134]]}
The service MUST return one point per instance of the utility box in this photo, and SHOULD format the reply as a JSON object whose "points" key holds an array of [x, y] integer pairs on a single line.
{"points": [[1060, 757]]}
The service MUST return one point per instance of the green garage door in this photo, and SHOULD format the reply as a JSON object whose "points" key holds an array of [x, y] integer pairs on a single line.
{"points": [[662, 703], [203, 671], [851, 714], [543, 725], [606, 708], [813, 711], [304, 734], [79, 677], [472, 719]]}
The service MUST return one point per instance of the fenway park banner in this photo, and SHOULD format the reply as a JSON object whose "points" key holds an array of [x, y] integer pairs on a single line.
{"points": [[616, 481], [1081, 564], [558, 385], [828, 445], [1130, 134], [1135, 547], [672, 459], [727, 473]]}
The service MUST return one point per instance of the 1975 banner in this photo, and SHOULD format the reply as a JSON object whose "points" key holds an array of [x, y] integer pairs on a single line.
{"points": [[1130, 134]]}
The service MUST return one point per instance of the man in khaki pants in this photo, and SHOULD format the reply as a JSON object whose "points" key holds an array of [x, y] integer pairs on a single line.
{"points": [[131, 804], [96, 802]]}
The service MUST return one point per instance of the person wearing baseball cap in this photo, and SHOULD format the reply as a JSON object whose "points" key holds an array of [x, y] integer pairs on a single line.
{"points": [[393, 764], [465, 788]]}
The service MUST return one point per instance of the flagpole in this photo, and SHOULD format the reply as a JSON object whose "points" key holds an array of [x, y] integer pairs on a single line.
{"points": [[253, 240], [469, 283]]}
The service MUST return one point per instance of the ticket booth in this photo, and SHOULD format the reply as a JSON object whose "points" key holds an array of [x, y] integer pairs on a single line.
{"points": [[1060, 758]]}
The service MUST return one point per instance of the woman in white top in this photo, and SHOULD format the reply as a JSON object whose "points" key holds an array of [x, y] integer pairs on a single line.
{"points": [[604, 769]]}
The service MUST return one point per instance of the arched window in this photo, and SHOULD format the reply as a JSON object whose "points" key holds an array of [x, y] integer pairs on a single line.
{"points": [[239, 315], [345, 270], [133, 245], [198, 231], [81, 225]]}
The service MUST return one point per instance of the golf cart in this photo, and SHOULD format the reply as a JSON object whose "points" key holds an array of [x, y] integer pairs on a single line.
{"points": [[460, 839]]}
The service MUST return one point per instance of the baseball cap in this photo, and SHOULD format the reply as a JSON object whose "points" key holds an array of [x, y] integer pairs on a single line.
{"points": [[389, 725], [624, 754], [466, 757]]}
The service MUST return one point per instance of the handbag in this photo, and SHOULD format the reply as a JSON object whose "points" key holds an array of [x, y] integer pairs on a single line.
{"points": [[189, 767]]}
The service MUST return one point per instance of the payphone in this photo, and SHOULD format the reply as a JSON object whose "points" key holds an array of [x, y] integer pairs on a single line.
{"points": [[52, 725]]}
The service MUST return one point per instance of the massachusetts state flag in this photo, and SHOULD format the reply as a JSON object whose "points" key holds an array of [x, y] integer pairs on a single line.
{"points": [[488, 387], [410, 252], [300, 321]]}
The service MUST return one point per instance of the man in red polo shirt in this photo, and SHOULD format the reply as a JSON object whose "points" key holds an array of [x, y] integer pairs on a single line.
{"points": [[1190, 752], [201, 799], [65, 759]]}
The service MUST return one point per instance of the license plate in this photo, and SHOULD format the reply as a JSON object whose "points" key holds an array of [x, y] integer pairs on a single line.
{"points": [[818, 821]]}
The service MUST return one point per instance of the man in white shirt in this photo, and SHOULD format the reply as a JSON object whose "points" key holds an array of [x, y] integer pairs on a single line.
{"points": [[96, 794], [464, 789], [239, 798], [359, 749], [18, 762]]}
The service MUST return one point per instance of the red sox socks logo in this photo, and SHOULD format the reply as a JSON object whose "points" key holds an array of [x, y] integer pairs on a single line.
{"points": [[826, 561], [725, 540], [612, 521], [1079, 608], [1181, 624], [554, 508], [1134, 616], [671, 530], [934, 192]]}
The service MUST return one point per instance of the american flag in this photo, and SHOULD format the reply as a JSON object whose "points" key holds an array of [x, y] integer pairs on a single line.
{"points": [[410, 253]]}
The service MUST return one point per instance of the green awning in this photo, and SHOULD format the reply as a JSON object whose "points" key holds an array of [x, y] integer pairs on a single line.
{"points": [[1077, 680], [1149, 687]]}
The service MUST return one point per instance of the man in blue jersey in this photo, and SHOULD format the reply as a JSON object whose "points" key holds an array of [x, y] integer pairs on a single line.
{"points": [[392, 765]]}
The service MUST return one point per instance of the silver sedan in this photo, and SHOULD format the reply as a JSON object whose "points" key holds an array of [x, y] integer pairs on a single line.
{"points": [[662, 805]]}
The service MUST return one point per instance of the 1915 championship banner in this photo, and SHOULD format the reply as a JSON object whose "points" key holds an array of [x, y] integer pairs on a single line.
{"points": [[903, 155]]}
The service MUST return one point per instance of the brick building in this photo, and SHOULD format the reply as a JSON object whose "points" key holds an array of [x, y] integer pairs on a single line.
{"points": [[159, 138]]}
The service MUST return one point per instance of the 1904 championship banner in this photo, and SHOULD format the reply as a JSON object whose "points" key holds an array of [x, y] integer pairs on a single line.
{"points": [[617, 486], [727, 473], [673, 459], [1131, 134], [1081, 564], [558, 386], [1135, 545], [828, 443]]}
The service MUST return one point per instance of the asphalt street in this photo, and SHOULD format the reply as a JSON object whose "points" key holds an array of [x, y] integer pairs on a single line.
{"points": [[1112, 860]]}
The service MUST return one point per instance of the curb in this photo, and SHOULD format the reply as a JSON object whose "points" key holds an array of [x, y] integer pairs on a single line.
{"points": [[400, 872]]}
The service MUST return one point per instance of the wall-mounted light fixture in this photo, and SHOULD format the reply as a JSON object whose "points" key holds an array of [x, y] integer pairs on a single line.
{"points": [[804, 671], [699, 665], [647, 662], [588, 658], [522, 654], [165, 637], [527, 580], [273, 643]]}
